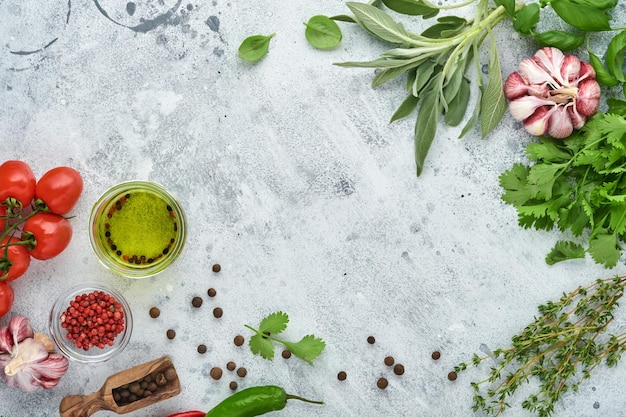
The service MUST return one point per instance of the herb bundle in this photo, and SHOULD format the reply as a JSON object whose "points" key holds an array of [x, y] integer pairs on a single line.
{"points": [[559, 349], [578, 185]]}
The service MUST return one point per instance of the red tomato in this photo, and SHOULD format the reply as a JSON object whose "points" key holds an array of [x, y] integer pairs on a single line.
{"points": [[6, 298], [17, 255], [51, 234], [3, 219], [18, 181], [60, 188]]}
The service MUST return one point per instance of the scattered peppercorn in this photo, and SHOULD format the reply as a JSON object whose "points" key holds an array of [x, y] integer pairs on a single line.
{"points": [[233, 385], [389, 360], [202, 349], [452, 376], [231, 366], [286, 354], [216, 373], [217, 268], [371, 340], [171, 334], [238, 340], [144, 387], [242, 372], [155, 312], [382, 383], [211, 292], [196, 302], [436, 355], [398, 369], [342, 376], [218, 312]]}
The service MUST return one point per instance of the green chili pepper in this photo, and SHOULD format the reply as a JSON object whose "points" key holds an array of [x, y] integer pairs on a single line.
{"points": [[255, 401]]}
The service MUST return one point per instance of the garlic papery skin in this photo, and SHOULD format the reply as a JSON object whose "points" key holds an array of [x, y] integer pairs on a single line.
{"points": [[552, 93]]}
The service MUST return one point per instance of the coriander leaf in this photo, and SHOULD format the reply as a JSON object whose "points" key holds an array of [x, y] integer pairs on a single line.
{"points": [[260, 345], [306, 349], [617, 106], [604, 249], [493, 102], [564, 250], [274, 323], [547, 150], [617, 222], [322, 32], [253, 48], [515, 183]]}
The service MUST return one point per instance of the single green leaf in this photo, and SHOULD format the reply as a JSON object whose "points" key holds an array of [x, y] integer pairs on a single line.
{"points": [[564, 250], [565, 41], [515, 184], [471, 123], [493, 102], [614, 56], [427, 121], [410, 7], [261, 346], [307, 349], [377, 63], [526, 18], [453, 82], [616, 106], [602, 74], [548, 150], [379, 23], [253, 48], [604, 249], [458, 105], [585, 18], [423, 74], [322, 32], [509, 6], [407, 107], [598, 4], [389, 74], [343, 18], [447, 26], [274, 323]]}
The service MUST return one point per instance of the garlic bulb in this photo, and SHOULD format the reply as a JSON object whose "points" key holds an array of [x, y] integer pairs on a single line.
{"points": [[552, 93], [27, 360]]}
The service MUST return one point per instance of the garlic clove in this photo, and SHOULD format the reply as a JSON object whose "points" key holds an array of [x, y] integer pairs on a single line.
{"points": [[28, 351], [560, 125], [40, 337], [586, 71], [570, 70], [50, 370], [578, 121], [533, 73], [551, 59], [588, 99], [6, 341], [20, 328], [525, 106], [514, 86], [537, 123]]}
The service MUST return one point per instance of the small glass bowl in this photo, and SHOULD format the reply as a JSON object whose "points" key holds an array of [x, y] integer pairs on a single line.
{"points": [[137, 229], [94, 354]]}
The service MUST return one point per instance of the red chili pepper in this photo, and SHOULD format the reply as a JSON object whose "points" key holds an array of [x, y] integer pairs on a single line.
{"points": [[193, 413]]}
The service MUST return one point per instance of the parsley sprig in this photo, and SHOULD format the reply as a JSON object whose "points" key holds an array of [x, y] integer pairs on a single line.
{"points": [[578, 185], [559, 349], [307, 349]]}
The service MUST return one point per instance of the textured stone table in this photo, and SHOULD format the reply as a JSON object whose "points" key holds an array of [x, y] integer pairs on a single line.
{"points": [[292, 180]]}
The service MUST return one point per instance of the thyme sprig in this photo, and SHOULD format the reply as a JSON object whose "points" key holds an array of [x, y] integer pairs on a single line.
{"points": [[559, 350]]}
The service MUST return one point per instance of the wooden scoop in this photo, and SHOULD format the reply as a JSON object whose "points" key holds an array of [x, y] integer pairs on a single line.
{"points": [[103, 399]]}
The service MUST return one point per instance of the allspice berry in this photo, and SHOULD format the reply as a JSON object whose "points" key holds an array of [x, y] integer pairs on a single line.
{"points": [[216, 268], [382, 383], [211, 292], [202, 349], [242, 372], [154, 312], [342, 376], [436, 355], [238, 340], [389, 360], [171, 333], [233, 385], [398, 369], [231, 366], [196, 302], [218, 312], [371, 340], [216, 373], [286, 354], [452, 376]]}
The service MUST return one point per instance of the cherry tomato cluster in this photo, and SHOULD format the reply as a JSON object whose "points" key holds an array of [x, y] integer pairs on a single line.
{"points": [[32, 222]]}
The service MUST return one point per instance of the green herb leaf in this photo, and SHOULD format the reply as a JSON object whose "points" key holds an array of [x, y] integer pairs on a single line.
{"points": [[585, 18], [604, 249], [614, 56], [448, 26], [493, 102], [274, 323], [253, 48], [598, 4], [458, 105], [411, 7], [564, 250], [602, 74], [343, 18], [379, 23], [261, 345], [509, 6], [427, 121], [565, 41], [617, 106], [526, 18], [322, 32], [307, 349], [407, 107]]}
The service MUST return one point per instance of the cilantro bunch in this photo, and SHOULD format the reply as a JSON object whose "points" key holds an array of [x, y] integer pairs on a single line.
{"points": [[307, 349], [577, 185]]}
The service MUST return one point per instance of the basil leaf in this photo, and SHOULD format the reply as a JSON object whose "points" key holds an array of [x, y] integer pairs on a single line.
{"points": [[598, 4], [426, 123], [407, 107], [379, 23], [509, 6], [585, 18], [602, 74], [614, 56], [458, 105], [322, 32], [253, 48], [526, 18], [410, 7], [493, 102], [565, 41]]}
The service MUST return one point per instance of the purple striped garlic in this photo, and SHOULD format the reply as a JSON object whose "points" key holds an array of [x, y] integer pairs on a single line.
{"points": [[27, 359], [552, 93]]}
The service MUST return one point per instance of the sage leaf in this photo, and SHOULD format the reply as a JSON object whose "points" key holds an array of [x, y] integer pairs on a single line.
{"points": [[585, 18], [452, 84], [602, 74], [253, 48], [448, 26], [422, 76], [565, 41], [475, 115], [343, 18], [564, 250], [493, 102], [322, 32], [411, 7], [426, 123], [379, 23], [614, 56], [407, 107], [458, 105]]}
